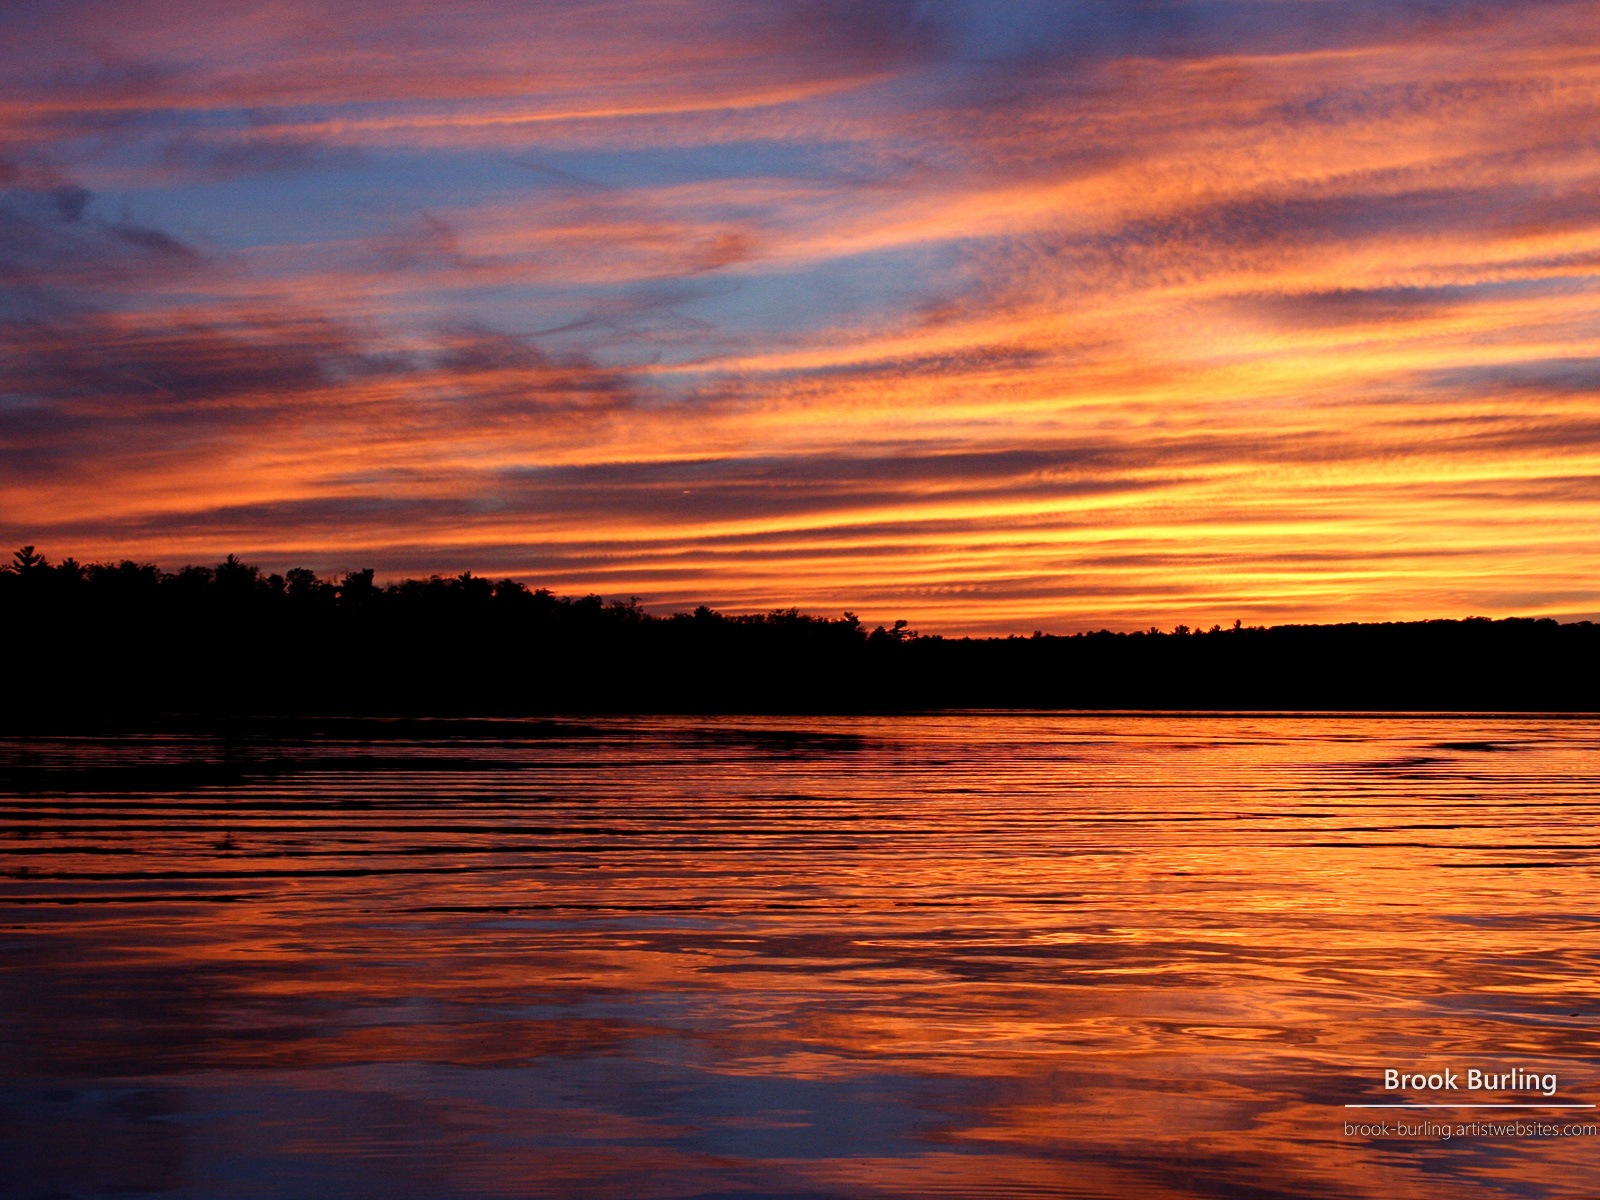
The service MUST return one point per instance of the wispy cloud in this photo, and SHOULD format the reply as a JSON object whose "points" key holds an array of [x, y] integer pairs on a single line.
{"points": [[1039, 315]]}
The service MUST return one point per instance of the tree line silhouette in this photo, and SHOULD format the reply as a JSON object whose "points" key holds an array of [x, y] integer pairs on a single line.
{"points": [[125, 640]]}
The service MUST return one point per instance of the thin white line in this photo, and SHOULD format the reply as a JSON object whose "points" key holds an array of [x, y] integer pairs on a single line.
{"points": [[1469, 1106]]}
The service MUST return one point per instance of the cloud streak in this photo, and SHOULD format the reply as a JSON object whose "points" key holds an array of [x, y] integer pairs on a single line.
{"points": [[999, 318]]}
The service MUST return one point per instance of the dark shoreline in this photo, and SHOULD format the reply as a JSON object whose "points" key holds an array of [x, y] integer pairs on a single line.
{"points": [[98, 680], [125, 646]]}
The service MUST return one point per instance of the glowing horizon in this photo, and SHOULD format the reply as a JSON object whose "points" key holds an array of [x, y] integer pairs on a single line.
{"points": [[1059, 317]]}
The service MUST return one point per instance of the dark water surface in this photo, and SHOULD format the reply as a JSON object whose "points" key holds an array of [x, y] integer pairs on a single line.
{"points": [[997, 956]]}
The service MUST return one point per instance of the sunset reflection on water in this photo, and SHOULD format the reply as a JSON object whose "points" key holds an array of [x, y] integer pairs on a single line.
{"points": [[1018, 955]]}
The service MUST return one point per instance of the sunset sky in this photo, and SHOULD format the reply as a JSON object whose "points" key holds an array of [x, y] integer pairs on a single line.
{"points": [[998, 316]]}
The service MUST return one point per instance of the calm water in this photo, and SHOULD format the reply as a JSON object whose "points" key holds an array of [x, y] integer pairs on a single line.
{"points": [[950, 956]]}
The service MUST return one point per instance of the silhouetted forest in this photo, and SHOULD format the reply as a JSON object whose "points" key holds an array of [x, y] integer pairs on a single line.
{"points": [[126, 641]]}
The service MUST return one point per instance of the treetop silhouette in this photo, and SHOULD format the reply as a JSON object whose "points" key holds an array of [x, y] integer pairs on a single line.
{"points": [[127, 640]]}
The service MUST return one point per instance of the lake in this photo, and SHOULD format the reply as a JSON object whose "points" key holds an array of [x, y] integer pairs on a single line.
{"points": [[959, 955]]}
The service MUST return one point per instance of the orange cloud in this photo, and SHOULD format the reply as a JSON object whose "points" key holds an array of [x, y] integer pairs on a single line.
{"points": [[866, 312]]}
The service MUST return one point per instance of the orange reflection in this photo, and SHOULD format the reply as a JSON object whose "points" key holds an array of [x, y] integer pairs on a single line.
{"points": [[975, 956]]}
